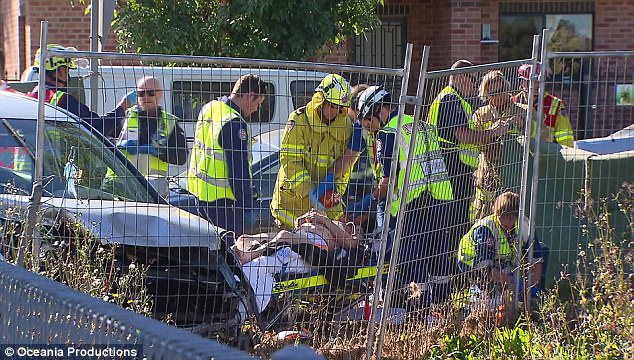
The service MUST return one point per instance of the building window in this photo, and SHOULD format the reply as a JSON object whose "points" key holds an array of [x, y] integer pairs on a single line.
{"points": [[382, 47], [569, 32]]}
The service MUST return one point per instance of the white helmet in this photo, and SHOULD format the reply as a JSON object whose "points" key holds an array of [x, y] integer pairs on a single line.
{"points": [[371, 100]]}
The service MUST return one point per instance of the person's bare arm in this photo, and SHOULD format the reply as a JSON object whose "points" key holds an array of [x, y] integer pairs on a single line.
{"points": [[341, 237], [480, 137]]}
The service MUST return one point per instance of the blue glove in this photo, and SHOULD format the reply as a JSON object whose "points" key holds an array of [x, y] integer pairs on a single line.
{"points": [[362, 206], [129, 146], [148, 149], [316, 194], [327, 183], [132, 147], [131, 97]]}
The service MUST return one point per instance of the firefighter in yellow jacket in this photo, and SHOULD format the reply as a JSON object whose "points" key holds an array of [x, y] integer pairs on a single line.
{"points": [[315, 136], [555, 118]]}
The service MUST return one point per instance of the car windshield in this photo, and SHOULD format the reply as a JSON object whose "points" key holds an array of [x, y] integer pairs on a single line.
{"points": [[76, 163]]}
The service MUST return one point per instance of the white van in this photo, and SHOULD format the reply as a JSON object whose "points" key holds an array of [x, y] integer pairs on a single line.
{"points": [[187, 89]]}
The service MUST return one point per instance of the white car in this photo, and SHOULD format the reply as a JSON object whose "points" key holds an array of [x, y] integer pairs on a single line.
{"points": [[90, 187]]}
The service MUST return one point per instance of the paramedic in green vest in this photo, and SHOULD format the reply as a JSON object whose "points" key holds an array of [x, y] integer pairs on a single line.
{"points": [[451, 113], [57, 94], [150, 131], [219, 172], [487, 251], [425, 247]]}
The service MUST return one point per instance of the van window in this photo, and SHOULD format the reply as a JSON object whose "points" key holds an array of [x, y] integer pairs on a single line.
{"points": [[188, 97], [302, 91]]}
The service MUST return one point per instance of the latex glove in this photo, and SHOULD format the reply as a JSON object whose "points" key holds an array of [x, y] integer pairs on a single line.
{"points": [[317, 194], [129, 146], [148, 149], [328, 200], [131, 98], [362, 206]]}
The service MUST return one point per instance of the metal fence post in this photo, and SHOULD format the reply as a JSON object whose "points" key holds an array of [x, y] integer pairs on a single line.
{"points": [[402, 193], [381, 261], [30, 230], [526, 157]]}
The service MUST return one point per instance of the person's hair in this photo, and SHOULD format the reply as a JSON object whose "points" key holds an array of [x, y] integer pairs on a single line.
{"points": [[490, 78], [462, 63], [355, 91], [250, 83], [507, 203]]}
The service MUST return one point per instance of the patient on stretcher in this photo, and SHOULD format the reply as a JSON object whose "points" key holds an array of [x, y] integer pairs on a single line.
{"points": [[310, 245]]}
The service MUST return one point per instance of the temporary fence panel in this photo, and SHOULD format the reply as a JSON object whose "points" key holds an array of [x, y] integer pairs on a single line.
{"points": [[428, 290], [574, 183], [45, 318], [126, 229]]}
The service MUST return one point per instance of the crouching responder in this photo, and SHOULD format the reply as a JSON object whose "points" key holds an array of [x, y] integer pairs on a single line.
{"points": [[556, 120], [425, 245], [487, 252], [315, 137]]}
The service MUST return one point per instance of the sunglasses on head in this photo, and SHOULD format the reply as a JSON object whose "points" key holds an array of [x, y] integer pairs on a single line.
{"points": [[150, 93]]}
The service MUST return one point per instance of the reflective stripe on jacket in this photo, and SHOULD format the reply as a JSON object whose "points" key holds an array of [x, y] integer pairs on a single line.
{"points": [[429, 171], [467, 248], [308, 152], [166, 125]]}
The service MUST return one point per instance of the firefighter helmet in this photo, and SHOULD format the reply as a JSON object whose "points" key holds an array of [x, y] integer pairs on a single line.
{"points": [[335, 90], [55, 62]]}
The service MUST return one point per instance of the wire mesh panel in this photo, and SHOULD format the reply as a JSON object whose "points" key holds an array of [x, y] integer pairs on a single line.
{"points": [[167, 197], [59, 322], [574, 183], [440, 272]]}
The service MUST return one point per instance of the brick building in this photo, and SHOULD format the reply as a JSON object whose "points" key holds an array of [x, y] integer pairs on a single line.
{"points": [[476, 29]]}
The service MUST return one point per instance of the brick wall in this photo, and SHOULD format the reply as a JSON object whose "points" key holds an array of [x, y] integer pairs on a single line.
{"points": [[613, 24], [67, 26]]}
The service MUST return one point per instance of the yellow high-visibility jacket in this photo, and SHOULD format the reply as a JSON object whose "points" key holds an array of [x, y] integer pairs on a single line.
{"points": [[309, 150]]}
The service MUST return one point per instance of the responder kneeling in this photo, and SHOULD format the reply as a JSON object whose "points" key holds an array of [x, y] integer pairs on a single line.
{"points": [[487, 253], [315, 139]]}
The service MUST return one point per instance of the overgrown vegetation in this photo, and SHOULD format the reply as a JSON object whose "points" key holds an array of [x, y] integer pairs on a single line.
{"points": [[286, 30], [73, 256], [588, 315]]}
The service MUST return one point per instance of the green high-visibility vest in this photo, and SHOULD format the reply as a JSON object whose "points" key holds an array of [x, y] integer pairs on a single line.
{"points": [[429, 171], [467, 248], [167, 123], [469, 153], [208, 174]]}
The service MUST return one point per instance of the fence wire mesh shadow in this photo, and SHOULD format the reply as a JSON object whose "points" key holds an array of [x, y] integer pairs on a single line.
{"points": [[39, 313]]}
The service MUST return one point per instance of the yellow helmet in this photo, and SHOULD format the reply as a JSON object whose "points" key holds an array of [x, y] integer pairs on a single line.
{"points": [[54, 62], [335, 90]]}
